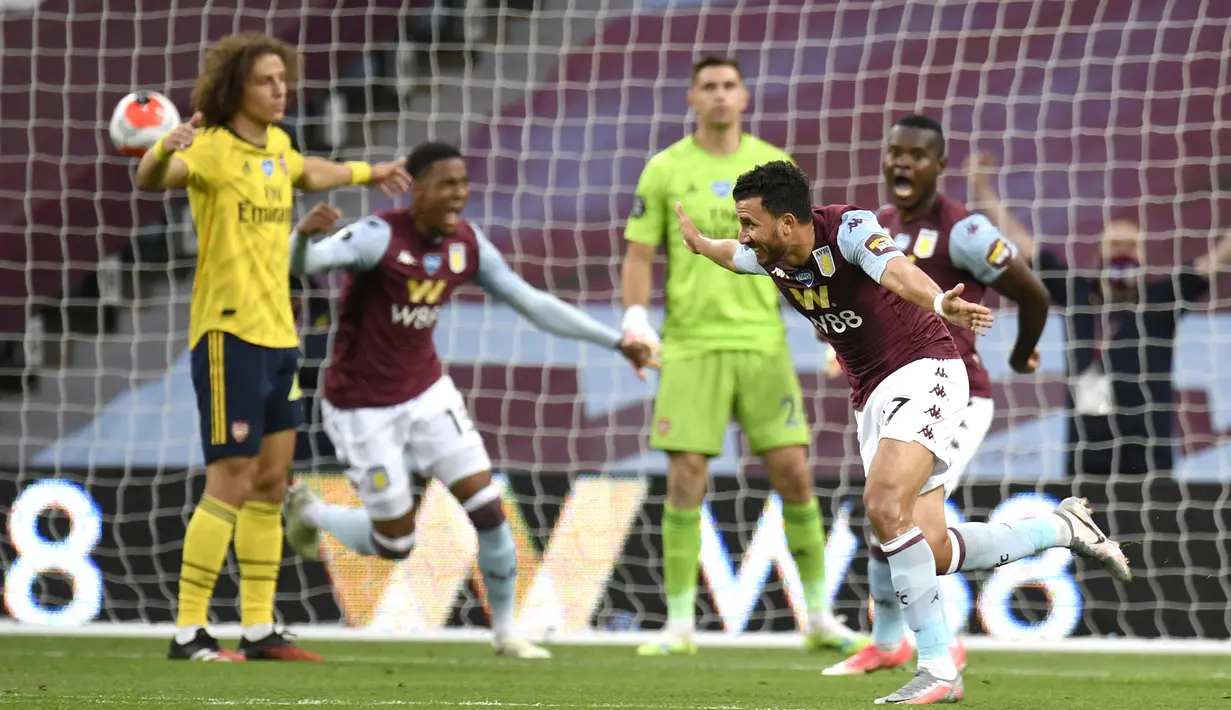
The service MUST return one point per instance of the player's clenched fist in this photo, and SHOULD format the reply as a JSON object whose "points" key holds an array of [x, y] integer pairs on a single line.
{"points": [[639, 354], [1030, 365], [182, 135], [692, 235], [972, 316], [319, 220]]}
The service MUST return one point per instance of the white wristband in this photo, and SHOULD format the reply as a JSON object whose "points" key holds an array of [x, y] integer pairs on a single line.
{"points": [[936, 305], [636, 319]]}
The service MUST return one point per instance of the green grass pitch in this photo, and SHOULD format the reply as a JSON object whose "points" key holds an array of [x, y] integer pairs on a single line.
{"points": [[65, 672]]}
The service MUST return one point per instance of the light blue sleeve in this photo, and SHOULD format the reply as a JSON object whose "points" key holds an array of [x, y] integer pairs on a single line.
{"points": [[865, 243], [359, 246], [975, 245], [745, 260], [544, 310]]}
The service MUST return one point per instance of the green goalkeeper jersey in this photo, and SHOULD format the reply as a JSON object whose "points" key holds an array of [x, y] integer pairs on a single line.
{"points": [[709, 309]]}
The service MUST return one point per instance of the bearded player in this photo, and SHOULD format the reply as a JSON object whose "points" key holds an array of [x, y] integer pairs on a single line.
{"points": [[721, 332], [241, 173], [386, 396], [839, 268], [952, 246]]}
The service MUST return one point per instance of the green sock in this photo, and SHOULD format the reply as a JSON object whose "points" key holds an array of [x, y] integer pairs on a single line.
{"points": [[805, 538], [681, 556]]}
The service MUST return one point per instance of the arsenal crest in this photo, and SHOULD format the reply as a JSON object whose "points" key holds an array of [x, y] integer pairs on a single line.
{"points": [[239, 432], [457, 257]]}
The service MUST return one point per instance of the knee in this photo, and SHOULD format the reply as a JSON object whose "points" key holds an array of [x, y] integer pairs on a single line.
{"points": [[484, 508], [941, 542], [393, 548], [887, 512], [230, 480], [687, 480], [269, 487], [791, 478]]}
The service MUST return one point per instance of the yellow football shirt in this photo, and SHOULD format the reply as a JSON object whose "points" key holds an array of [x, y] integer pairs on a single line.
{"points": [[241, 196]]}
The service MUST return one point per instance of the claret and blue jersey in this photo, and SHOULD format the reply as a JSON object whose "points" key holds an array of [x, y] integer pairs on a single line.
{"points": [[872, 330]]}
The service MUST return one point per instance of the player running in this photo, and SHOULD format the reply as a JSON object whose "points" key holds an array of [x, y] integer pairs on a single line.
{"points": [[240, 171], [840, 269], [952, 246], [385, 393], [721, 332]]}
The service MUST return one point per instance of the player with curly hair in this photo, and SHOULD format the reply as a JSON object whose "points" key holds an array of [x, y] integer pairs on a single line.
{"points": [[240, 170]]}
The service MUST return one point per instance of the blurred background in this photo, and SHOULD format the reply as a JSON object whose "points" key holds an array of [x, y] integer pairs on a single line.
{"points": [[1090, 112]]}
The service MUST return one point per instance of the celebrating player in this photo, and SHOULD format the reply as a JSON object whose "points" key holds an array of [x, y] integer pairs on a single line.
{"points": [[385, 394], [240, 169], [951, 246], [721, 333], [840, 269]]}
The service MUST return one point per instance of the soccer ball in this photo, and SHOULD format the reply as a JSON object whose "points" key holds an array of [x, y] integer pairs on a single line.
{"points": [[140, 119]]}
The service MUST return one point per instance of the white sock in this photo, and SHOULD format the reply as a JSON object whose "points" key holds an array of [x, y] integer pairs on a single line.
{"points": [[184, 634], [502, 623], [314, 514], [258, 631]]}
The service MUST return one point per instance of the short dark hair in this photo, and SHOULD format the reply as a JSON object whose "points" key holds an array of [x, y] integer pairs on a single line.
{"points": [[782, 187], [423, 157], [714, 61], [924, 123]]}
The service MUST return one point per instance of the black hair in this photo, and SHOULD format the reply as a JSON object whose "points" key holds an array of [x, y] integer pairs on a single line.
{"points": [[707, 62], [423, 157], [925, 123], [782, 187]]}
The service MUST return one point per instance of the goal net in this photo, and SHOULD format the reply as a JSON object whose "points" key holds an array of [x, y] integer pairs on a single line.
{"points": [[1092, 112]]}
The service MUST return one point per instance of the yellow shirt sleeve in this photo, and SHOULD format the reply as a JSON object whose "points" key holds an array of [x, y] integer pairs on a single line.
{"points": [[647, 222], [294, 165], [202, 160]]}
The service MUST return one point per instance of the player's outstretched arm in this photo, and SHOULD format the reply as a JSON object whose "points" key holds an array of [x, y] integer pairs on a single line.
{"points": [[160, 168], [359, 246], [549, 313], [910, 283], [320, 174], [866, 244], [724, 252]]}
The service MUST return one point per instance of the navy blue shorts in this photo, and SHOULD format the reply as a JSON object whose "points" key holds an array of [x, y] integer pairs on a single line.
{"points": [[244, 392]]}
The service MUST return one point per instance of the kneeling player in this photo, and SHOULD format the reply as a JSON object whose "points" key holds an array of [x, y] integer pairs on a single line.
{"points": [[385, 393], [952, 246], [839, 268]]}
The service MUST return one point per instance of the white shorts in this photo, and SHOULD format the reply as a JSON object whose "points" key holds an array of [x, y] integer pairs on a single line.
{"points": [[924, 401], [434, 431], [969, 437]]}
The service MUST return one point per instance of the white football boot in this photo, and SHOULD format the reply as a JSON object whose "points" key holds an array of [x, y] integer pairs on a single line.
{"points": [[1090, 542]]}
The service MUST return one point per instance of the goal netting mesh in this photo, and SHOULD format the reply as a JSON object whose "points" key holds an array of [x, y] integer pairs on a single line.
{"points": [[1092, 111]]}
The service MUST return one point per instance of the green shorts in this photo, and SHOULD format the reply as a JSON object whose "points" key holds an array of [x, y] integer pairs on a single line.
{"points": [[697, 397]]}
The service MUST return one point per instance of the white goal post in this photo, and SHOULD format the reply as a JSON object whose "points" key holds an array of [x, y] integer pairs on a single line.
{"points": [[1093, 112]]}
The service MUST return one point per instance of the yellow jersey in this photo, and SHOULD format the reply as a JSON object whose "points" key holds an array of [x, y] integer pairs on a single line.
{"points": [[241, 196]]}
